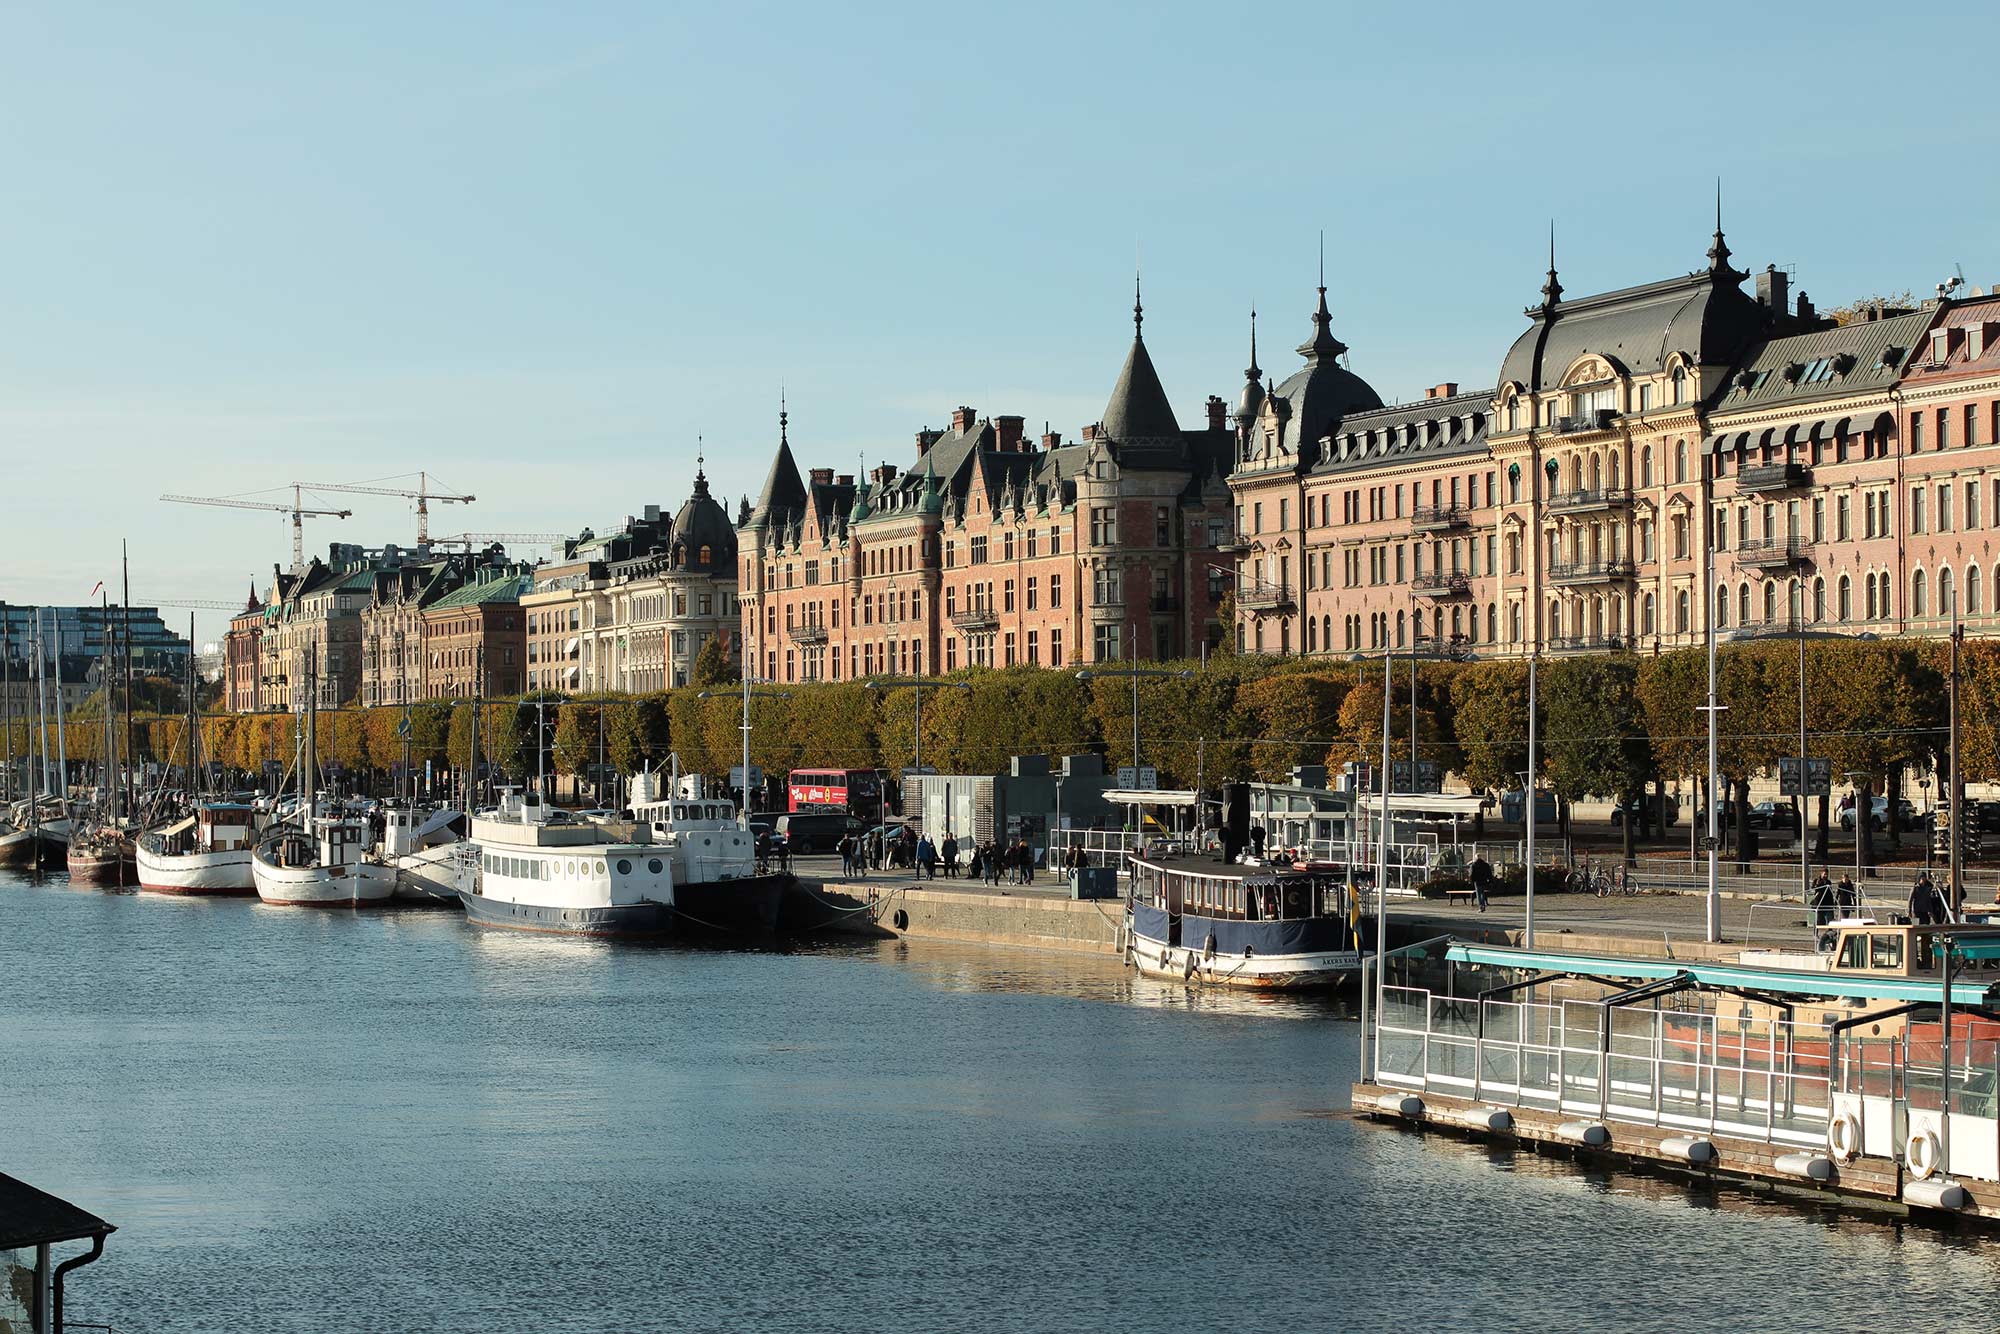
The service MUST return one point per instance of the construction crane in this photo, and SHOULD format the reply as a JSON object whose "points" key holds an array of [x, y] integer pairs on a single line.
{"points": [[297, 509], [423, 495], [479, 539]]}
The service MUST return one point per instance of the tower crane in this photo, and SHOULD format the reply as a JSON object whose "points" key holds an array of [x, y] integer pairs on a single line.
{"points": [[297, 509], [423, 495], [477, 539]]}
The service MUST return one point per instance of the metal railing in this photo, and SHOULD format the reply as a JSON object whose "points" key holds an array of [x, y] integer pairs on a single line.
{"points": [[1593, 498]]}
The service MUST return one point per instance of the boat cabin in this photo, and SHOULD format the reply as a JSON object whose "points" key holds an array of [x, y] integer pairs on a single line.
{"points": [[1863, 947], [225, 827]]}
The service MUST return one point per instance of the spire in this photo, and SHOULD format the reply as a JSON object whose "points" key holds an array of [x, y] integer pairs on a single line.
{"points": [[701, 459], [783, 416], [1253, 372], [1718, 250], [1251, 400], [1138, 307], [784, 490], [1138, 409], [1552, 290], [1322, 346]]}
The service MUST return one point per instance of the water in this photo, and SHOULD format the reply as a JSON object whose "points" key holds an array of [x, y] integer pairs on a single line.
{"points": [[309, 1121]]}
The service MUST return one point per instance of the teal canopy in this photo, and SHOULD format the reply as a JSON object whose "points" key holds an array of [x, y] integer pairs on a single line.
{"points": [[1743, 977]]}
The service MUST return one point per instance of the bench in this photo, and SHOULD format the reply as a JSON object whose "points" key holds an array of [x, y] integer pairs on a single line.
{"points": [[1465, 892]]}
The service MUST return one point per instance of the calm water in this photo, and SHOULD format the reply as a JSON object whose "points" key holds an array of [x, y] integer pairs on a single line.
{"points": [[393, 1122]]}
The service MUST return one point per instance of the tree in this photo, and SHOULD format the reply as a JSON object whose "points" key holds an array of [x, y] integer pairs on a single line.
{"points": [[1861, 307], [1295, 717], [1597, 743], [1489, 703], [715, 665]]}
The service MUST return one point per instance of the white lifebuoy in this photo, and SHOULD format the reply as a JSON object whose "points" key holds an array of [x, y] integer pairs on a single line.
{"points": [[1843, 1137], [1921, 1154]]}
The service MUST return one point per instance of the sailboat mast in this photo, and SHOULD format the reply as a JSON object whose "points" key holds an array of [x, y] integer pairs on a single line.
{"points": [[125, 621], [309, 760], [7, 709], [62, 731], [108, 770], [194, 782]]}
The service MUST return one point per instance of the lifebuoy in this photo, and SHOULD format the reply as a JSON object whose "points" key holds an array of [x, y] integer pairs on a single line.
{"points": [[1921, 1154], [1843, 1137]]}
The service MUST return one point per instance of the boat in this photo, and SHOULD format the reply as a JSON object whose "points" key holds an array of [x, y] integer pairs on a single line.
{"points": [[713, 856], [99, 855], [36, 833], [1222, 923], [205, 853], [321, 862], [543, 870], [427, 852]]}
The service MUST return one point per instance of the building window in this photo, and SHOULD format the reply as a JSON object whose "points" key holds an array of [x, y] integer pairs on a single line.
{"points": [[1104, 646], [1843, 599], [1055, 590], [1104, 525], [1917, 603]]}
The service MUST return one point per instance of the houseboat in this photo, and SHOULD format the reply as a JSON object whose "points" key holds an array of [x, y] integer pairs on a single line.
{"points": [[322, 862], [1221, 923], [547, 871], [204, 853]]}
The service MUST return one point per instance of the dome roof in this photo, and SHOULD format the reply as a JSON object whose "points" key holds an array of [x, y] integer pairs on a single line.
{"points": [[1319, 396], [700, 523]]}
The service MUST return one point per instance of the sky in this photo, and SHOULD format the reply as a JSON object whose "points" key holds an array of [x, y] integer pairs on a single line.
{"points": [[542, 251]]}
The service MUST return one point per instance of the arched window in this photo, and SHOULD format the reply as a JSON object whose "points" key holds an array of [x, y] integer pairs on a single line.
{"points": [[1743, 603], [1844, 599], [1576, 472], [1326, 633], [1646, 466], [1514, 624], [1399, 629], [1614, 470], [707, 555], [1312, 635], [1492, 623], [1681, 612], [1721, 606], [1555, 619], [1819, 600], [1770, 601], [1917, 604], [1945, 591], [1646, 623], [1680, 384], [1513, 487], [1680, 460], [1457, 628], [1869, 604], [1975, 592]]}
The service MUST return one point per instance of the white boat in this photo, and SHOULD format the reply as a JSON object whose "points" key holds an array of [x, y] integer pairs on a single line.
{"points": [[543, 871], [713, 855], [428, 853], [321, 865], [205, 853], [1227, 924]]}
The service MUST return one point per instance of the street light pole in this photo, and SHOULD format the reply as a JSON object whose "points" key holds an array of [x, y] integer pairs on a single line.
{"points": [[1528, 803], [1090, 674]]}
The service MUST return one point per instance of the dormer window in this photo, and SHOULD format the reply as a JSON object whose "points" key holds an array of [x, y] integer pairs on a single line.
{"points": [[1680, 384], [1975, 341], [1940, 346]]}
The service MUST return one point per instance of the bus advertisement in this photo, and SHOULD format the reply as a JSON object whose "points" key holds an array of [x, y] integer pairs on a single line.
{"points": [[856, 791]]}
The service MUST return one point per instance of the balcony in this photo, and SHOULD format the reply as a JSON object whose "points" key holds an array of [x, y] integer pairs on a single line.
{"points": [[1449, 584], [1266, 598], [1165, 604], [1586, 502], [812, 632], [1774, 477], [1772, 627], [1774, 553], [976, 620], [1583, 423], [1587, 644], [1591, 571], [1438, 518]]}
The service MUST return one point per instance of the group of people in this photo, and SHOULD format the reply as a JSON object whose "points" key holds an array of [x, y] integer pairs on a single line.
{"points": [[1829, 902], [991, 861]]}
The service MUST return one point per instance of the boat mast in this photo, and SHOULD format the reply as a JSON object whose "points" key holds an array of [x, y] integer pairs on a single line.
{"points": [[108, 783], [309, 759], [36, 779], [125, 622], [62, 733], [7, 711], [193, 721]]}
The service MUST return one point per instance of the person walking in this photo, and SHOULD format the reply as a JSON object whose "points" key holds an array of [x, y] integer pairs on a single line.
{"points": [[950, 851], [1482, 881], [1821, 899], [993, 866], [1846, 898], [927, 859], [1926, 905]]}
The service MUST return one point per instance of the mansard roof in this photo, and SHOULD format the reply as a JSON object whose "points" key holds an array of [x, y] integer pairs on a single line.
{"points": [[1859, 358], [1704, 316], [1405, 433]]}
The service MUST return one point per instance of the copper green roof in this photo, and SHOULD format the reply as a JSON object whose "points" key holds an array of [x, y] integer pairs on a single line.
{"points": [[505, 589]]}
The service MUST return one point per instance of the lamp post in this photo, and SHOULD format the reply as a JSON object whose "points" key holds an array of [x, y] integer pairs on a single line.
{"points": [[748, 695], [1861, 812], [917, 683], [1133, 673]]}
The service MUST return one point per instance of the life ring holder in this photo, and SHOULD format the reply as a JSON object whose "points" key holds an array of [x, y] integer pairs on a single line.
{"points": [[1843, 1138], [1921, 1154]]}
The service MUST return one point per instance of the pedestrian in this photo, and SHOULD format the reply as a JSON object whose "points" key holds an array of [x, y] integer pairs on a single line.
{"points": [[1821, 899], [974, 867], [950, 856], [993, 866], [1846, 898], [1926, 907], [1482, 881], [1027, 862], [927, 859]]}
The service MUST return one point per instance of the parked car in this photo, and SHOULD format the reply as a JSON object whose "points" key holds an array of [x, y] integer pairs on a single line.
{"points": [[1774, 815], [1650, 803], [807, 832], [1726, 817]]}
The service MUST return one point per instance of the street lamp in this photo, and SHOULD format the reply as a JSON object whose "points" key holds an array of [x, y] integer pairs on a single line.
{"points": [[1134, 673], [748, 694], [1862, 811], [917, 684]]}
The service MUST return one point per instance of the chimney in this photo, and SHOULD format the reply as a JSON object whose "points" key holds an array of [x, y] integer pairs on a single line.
{"points": [[652, 514], [1090, 432], [1218, 414], [845, 479], [883, 475], [1051, 439], [1449, 389], [925, 439], [1807, 315], [822, 476], [961, 419], [1772, 289], [1008, 432]]}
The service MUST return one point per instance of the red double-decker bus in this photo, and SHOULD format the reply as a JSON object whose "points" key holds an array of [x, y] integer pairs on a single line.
{"points": [[856, 791]]}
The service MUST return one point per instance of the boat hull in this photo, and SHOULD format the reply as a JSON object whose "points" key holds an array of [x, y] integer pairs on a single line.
{"points": [[436, 875], [22, 847], [748, 906], [1273, 972], [90, 869], [1295, 954], [621, 919], [361, 885], [197, 873]]}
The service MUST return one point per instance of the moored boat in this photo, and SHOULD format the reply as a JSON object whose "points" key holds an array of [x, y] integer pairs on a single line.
{"points": [[204, 853], [1201, 919], [320, 864], [543, 871], [713, 856], [99, 855]]}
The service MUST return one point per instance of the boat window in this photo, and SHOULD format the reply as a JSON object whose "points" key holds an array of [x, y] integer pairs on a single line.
{"points": [[624, 867], [597, 868], [569, 868], [1885, 951], [654, 866], [1853, 952], [1924, 960]]}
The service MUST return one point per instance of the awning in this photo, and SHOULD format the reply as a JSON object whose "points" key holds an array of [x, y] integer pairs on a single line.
{"points": [[1799, 432], [569, 649], [1741, 976], [1821, 430], [1421, 803], [1149, 796]]}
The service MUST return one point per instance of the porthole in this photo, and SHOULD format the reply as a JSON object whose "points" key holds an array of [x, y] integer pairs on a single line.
{"points": [[571, 869], [654, 866], [624, 866], [597, 868]]}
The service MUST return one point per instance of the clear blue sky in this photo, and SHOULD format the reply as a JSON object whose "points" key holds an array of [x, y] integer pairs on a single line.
{"points": [[538, 249]]}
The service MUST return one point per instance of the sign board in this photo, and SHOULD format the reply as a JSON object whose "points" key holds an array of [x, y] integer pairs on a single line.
{"points": [[736, 776], [1819, 777], [1149, 777], [403, 727], [1711, 842], [1128, 777]]}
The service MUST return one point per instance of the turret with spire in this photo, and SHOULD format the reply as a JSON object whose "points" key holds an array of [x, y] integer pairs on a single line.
{"points": [[1718, 249], [1552, 290], [1322, 346], [1138, 409], [1251, 400]]}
